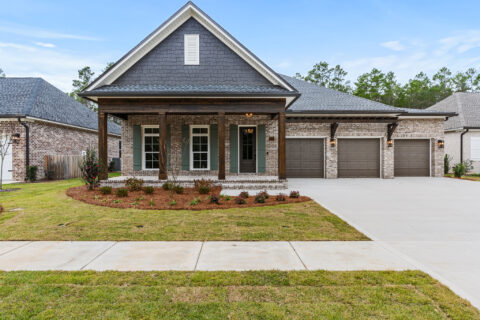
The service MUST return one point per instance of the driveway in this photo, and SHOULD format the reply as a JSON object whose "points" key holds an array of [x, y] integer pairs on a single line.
{"points": [[432, 222]]}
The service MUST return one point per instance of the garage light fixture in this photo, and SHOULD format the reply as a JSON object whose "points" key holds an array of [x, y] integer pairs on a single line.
{"points": [[441, 144], [390, 142], [15, 137], [333, 142], [249, 115]]}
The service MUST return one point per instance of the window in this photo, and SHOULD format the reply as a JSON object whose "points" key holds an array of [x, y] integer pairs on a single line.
{"points": [[199, 136], [475, 148], [150, 147], [192, 49]]}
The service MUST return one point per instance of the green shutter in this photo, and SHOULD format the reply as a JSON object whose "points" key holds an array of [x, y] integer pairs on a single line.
{"points": [[261, 148], [185, 147], [137, 148], [168, 147], [233, 148], [213, 147]]}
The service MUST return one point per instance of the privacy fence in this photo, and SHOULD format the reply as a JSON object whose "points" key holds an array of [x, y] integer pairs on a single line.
{"points": [[63, 166]]}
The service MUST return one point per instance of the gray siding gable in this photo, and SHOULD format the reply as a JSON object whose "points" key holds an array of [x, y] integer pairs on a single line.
{"points": [[164, 65]]}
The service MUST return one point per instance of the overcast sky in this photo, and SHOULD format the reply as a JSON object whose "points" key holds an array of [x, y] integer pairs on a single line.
{"points": [[53, 39]]}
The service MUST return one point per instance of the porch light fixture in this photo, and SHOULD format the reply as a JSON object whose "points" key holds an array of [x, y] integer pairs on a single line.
{"points": [[250, 130], [441, 144], [333, 142], [390, 142], [15, 137], [248, 114]]}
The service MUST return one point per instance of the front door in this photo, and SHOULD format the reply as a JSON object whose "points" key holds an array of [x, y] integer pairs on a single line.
{"points": [[248, 149]]}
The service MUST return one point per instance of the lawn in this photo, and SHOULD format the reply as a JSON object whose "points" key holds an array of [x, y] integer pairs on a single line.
{"points": [[228, 295], [42, 211], [472, 177]]}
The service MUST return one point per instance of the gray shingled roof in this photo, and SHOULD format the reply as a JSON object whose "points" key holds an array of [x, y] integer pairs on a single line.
{"points": [[159, 90], [37, 98], [466, 105]]}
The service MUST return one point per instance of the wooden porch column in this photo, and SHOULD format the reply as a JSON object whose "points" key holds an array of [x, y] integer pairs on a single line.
{"points": [[282, 167], [221, 146], [162, 147], [102, 145]]}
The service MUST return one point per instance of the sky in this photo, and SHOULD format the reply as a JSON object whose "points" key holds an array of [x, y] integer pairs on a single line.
{"points": [[54, 38]]}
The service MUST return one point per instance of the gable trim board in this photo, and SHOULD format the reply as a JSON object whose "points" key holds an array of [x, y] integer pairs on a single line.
{"points": [[174, 22]]}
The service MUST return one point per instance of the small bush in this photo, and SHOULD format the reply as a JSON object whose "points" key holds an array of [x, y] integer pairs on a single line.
{"points": [[225, 198], [468, 166], [214, 198], [148, 190], [174, 202], [32, 173], [204, 189], [459, 170], [265, 194], [106, 190], [90, 169], [122, 192], [167, 186], [447, 160], [240, 200], [260, 198], [151, 203], [294, 194], [244, 195], [134, 184], [195, 201], [202, 183], [281, 197], [111, 166], [178, 189]]}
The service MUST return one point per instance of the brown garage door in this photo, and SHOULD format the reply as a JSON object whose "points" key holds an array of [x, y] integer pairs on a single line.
{"points": [[305, 158], [412, 158], [358, 158]]}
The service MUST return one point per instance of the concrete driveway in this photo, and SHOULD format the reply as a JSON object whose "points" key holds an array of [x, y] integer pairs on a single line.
{"points": [[432, 222]]}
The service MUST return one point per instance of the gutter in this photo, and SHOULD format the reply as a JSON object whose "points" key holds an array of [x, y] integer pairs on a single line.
{"points": [[27, 146]]}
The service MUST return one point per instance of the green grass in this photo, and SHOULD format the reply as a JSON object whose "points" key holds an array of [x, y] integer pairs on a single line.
{"points": [[471, 177], [228, 295], [42, 211]]}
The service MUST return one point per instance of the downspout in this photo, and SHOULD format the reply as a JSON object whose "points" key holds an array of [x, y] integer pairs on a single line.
{"points": [[27, 146], [461, 144]]}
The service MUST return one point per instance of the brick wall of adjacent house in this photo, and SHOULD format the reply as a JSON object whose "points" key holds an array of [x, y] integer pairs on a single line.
{"points": [[176, 122], [50, 139], [409, 128]]}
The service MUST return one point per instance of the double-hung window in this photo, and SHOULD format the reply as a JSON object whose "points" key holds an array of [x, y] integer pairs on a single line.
{"points": [[150, 147], [200, 146]]}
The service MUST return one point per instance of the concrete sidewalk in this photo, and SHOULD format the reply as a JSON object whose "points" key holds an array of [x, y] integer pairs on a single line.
{"points": [[196, 255]]}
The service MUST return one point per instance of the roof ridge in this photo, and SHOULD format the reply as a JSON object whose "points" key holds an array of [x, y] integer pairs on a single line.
{"points": [[33, 97]]}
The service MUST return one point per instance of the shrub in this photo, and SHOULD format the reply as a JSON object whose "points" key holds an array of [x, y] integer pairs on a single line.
{"points": [[148, 190], [174, 202], [105, 190], [202, 183], [194, 202], [244, 195], [122, 192], [265, 194], [151, 203], [281, 197], [224, 197], [468, 165], [294, 194], [178, 189], [32, 173], [167, 186], [134, 184], [240, 200], [111, 166], [447, 160], [204, 189], [260, 198], [459, 170], [214, 198], [90, 169]]}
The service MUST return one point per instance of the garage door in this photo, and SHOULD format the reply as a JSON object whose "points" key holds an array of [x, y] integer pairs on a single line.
{"points": [[305, 158], [412, 158], [358, 158]]}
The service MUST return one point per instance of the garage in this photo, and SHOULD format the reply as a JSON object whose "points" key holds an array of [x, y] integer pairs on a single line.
{"points": [[305, 158], [359, 158], [412, 158]]}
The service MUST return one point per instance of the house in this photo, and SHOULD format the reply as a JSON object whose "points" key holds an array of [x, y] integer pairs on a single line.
{"points": [[42, 120], [193, 99], [462, 132]]}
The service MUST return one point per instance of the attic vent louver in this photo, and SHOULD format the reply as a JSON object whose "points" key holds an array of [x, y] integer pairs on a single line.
{"points": [[192, 49]]}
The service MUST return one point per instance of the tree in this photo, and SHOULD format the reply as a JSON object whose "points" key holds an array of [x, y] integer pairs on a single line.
{"points": [[333, 78], [2, 74], [108, 66], [443, 84], [378, 86], [418, 92], [465, 81], [5, 142], [85, 76]]}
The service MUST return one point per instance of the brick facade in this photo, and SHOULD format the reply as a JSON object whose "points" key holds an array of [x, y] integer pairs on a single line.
{"points": [[50, 139]]}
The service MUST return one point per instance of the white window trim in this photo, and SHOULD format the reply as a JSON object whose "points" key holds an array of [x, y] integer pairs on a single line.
{"points": [[477, 139], [143, 145], [256, 146], [191, 147], [197, 60]]}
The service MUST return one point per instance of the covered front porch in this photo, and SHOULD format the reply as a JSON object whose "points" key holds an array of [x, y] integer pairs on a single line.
{"points": [[230, 140]]}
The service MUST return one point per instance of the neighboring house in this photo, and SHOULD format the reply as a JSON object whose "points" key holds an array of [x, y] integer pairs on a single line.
{"points": [[462, 132], [192, 96], [45, 121]]}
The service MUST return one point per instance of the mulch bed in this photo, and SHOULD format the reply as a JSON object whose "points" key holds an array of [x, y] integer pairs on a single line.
{"points": [[162, 199]]}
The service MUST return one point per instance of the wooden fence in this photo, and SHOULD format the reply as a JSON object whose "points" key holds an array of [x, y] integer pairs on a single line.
{"points": [[59, 167]]}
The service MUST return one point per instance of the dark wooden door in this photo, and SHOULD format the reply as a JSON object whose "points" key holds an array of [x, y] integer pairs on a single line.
{"points": [[412, 157], [248, 149], [358, 158], [305, 158]]}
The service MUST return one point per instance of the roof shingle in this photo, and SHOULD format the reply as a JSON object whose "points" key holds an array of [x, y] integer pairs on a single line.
{"points": [[466, 105]]}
